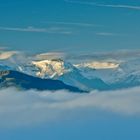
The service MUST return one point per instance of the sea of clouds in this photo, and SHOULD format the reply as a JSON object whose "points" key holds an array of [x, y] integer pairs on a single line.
{"points": [[24, 108]]}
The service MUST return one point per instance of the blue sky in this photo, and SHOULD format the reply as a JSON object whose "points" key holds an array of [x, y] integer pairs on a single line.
{"points": [[100, 129], [69, 25]]}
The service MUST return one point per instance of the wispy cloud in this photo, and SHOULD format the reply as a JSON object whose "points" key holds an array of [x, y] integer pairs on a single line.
{"points": [[7, 54], [35, 107], [81, 24], [107, 34], [2, 47], [57, 30], [119, 55], [131, 7], [51, 30], [51, 55]]}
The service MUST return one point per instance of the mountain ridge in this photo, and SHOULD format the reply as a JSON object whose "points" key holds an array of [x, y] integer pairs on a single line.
{"points": [[20, 80]]}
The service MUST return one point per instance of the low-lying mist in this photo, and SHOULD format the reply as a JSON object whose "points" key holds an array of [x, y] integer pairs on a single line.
{"points": [[21, 108]]}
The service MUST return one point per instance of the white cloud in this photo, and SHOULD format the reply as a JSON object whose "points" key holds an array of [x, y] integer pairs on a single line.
{"points": [[107, 34], [120, 6], [131, 7], [118, 55], [51, 30], [3, 48], [51, 55], [18, 108], [7, 54], [73, 24]]}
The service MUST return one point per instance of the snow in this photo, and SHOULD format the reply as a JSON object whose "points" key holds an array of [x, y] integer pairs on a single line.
{"points": [[52, 68], [98, 65], [108, 71]]}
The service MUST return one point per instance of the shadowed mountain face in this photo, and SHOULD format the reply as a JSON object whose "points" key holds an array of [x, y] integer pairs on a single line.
{"points": [[77, 79], [24, 81]]}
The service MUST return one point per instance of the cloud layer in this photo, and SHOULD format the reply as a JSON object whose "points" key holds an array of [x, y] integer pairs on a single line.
{"points": [[125, 6], [52, 30], [19, 108], [79, 24]]}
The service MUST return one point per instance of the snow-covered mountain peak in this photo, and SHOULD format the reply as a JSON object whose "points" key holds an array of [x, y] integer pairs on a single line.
{"points": [[52, 68]]}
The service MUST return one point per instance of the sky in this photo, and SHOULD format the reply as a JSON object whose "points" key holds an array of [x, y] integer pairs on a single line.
{"points": [[69, 25]]}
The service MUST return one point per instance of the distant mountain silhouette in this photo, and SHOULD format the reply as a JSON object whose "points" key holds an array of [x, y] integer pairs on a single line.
{"points": [[20, 80]]}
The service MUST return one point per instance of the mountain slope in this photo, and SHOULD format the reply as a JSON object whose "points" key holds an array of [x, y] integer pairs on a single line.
{"points": [[107, 76], [77, 79], [24, 81], [66, 72]]}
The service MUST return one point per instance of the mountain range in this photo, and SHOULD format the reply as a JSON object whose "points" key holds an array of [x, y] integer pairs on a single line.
{"points": [[54, 74], [23, 81]]}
